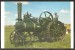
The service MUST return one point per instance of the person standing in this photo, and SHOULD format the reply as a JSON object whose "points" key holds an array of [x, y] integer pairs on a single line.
{"points": [[56, 17]]}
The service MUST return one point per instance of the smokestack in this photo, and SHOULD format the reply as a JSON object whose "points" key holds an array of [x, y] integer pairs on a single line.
{"points": [[19, 11]]}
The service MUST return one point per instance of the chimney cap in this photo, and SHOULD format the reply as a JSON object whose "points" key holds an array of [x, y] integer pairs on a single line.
{"points": [[19, 2]]}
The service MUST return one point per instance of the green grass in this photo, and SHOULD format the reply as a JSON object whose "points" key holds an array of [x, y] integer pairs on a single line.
{"points": [[58, 44]]}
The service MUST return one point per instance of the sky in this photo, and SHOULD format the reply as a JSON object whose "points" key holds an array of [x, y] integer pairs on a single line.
{"points": [[36, 8]]}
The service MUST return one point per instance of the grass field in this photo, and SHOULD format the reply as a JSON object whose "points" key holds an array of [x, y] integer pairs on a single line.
{"points": [[58, 44]]}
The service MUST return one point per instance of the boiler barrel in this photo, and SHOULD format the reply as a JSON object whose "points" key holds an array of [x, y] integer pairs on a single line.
{"points": [[28, 26]]}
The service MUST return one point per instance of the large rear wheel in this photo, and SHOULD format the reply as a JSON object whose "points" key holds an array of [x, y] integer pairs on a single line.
{"points": [[55, 31]]}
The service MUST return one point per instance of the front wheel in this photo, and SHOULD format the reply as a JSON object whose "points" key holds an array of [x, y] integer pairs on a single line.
{"points": [[20, 37]]}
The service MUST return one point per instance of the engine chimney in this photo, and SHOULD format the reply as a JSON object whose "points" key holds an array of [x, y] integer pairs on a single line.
{"points": [[19, 11]]}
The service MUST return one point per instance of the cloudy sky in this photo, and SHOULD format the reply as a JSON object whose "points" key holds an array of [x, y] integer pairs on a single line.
{"points": [[36, 8]]}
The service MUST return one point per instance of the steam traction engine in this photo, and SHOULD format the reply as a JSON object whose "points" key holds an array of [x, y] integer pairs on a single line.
{"points": [[45, 29]]}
